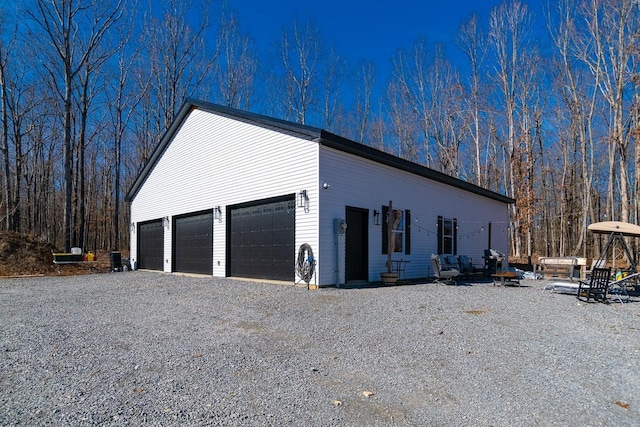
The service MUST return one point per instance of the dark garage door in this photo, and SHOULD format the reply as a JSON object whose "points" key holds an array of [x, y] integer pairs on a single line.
{"points": [[150, 245], [262, 240], [193, 243]]}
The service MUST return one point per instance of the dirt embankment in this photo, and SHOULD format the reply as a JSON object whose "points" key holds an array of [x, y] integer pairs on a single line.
{"points": [[21, 255]]}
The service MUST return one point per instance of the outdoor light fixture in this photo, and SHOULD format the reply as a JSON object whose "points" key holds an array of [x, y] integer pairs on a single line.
{"points": [[132, 227], [165, 222], [376, 217], [303, 199], [217, 213]]}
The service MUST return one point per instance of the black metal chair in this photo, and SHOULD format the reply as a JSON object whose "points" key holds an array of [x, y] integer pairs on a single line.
{"points": [[597, 286]]}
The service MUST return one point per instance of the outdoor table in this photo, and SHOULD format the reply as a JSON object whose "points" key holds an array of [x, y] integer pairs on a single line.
{"points": [[399, 266], [506, 277]]}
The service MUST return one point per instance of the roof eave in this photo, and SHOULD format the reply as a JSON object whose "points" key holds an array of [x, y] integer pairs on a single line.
{"points": [[303, 131], [307, 132], [342, 144], [176, 124]]}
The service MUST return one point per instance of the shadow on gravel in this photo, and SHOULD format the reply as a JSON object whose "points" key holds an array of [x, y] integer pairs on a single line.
{"points": [[412, 282]]}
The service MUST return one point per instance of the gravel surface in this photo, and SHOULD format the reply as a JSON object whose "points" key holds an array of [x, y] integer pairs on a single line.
{"points": [[145, 348]]}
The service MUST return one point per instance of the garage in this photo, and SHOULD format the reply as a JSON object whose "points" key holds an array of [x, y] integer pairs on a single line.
{"points": [[150, 245], [262, 240], [193, 243], [273, 185]]}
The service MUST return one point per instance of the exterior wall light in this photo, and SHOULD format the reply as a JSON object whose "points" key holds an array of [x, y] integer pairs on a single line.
{"points": [[165, 222], [303, 199], [217, 213], [132, 227], [376, 217]]}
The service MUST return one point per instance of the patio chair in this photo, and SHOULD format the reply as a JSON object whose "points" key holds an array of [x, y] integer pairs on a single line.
{"points": [[597, 286], [466, 265], [618, 288], [444, 274], [449, 262]]}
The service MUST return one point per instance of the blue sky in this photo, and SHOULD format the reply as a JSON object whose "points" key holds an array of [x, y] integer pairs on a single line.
{"points": [[366, 30]]}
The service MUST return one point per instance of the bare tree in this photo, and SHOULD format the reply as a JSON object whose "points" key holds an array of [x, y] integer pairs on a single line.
{"points": [[176, 61], [407, 96], [606, 47], [23, 99], [425, 97], [87, 87], [447, 121], [403, 124], [509, 29], [236, 70], [473, 43], [580, 99], [74, 29], [299, 57], [334, 78], [5, 53], [532, 98], [365, 84], [123, 99], [41, 163]]}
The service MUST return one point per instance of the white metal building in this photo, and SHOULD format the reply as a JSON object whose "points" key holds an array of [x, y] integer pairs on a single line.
{"points": [[235, 194]]}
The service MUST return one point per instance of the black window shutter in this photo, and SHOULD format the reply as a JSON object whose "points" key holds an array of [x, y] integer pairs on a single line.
{"points": [[385, 235], [440, 224], [455, 236], [407, 231]]}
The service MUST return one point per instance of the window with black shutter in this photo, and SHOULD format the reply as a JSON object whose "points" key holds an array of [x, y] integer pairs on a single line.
{"points": [[447, 236]]}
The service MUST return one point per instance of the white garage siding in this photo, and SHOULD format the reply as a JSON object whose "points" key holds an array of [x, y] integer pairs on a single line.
{"points": [[217, 157], [215, 160], [358, 182]]}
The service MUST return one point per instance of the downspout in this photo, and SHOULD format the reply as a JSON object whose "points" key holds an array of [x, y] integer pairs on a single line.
{"points": [[337, 269]]}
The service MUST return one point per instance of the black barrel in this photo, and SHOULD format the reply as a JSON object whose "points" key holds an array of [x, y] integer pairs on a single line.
{"points": [[116, 261]]}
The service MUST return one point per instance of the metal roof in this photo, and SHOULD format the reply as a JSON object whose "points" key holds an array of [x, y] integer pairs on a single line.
{"points": [[322, 137]]}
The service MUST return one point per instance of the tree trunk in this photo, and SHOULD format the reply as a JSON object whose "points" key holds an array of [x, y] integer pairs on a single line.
{"points": [[68, 165], [6, 176]]}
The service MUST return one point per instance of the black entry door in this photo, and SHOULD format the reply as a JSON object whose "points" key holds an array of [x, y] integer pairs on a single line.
{"points": [[193, 243], [151, 245], [262, 240], [357, 244]]}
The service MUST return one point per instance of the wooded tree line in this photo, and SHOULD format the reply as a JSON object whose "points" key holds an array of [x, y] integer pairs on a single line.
{"points": [[548, 117]]}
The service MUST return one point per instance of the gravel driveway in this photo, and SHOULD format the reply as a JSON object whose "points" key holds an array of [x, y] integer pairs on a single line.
{"points": [[145, 348]]}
